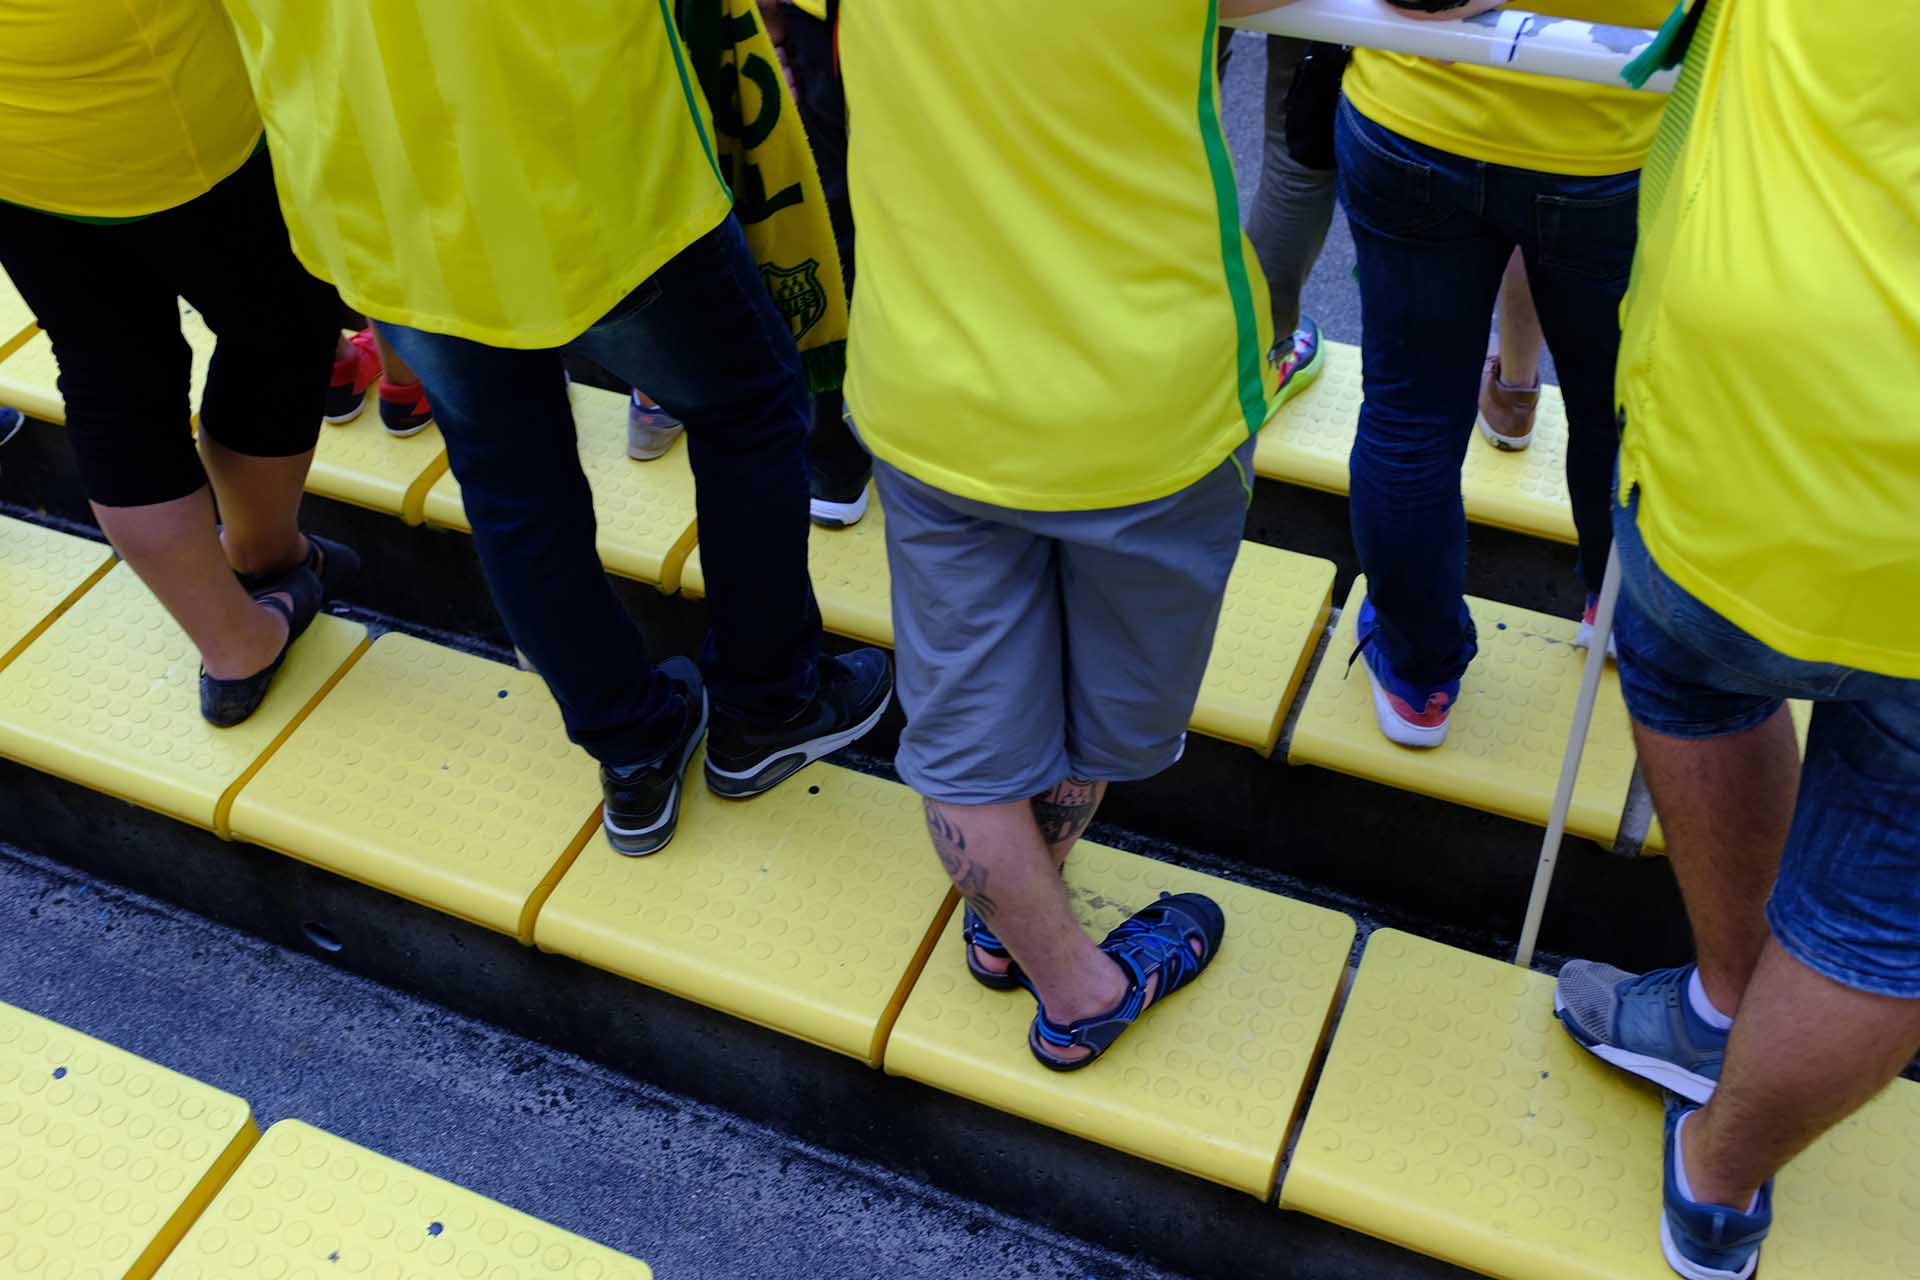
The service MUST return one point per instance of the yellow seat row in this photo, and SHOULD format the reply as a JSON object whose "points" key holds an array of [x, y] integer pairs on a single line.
{"points": [[115, 1168], [1308, 441], [1451, 1115]]}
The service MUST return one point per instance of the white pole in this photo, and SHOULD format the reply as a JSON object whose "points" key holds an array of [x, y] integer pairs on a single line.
{"points": [[1505, 37], [1570, 764]]}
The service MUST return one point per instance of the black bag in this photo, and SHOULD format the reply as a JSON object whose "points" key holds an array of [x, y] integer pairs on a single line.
{"points": [[1312, 99]]}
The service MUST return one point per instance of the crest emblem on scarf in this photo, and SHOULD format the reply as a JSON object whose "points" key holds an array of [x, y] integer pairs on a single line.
{"points": [[798, 293]]}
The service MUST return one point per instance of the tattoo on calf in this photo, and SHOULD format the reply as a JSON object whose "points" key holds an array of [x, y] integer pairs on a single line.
{"points": [[968, 877], [1064, 812]]}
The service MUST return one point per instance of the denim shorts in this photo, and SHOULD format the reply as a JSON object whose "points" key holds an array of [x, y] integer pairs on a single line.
{"points": [[1847, 903]]}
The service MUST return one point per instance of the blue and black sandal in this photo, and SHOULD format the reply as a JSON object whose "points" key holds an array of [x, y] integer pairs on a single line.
{"points": [[974, 931], [333, 564], [1153, 941]]}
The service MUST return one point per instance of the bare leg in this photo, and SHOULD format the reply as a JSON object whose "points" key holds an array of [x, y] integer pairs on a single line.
{"points": [[259, 506], [1520, 334], [1062, 815], [1726, 805], [1806, 1052], [173, 547]]}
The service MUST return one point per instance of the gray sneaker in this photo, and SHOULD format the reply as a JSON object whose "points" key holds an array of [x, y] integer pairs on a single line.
{"points": [[651, 430], [1641, 1024]]}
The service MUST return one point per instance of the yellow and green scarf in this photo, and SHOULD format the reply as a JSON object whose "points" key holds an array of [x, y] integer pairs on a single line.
{"points": [[768, 165]]}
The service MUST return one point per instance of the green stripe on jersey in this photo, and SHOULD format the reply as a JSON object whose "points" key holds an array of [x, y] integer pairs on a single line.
{"points": [[1253, 396]]}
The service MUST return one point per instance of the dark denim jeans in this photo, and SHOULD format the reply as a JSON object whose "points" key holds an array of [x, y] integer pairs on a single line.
{"points": [[704, 338], [1432, 232]]}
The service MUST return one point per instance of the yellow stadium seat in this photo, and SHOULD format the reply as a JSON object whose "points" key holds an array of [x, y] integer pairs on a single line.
{"points": [[434, 775], [1455, 1117], [1208, 1083], [105, 1158], [42, 572], [807, 910], [108, 697], [645, 509], [308, 1204], [1308, 441], [1504, 749]]}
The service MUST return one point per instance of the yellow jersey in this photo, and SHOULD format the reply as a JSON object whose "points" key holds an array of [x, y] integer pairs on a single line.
{"points": [[1770, 364], [1514, 118], [504, 172], [1057, 309], [119, 110]]}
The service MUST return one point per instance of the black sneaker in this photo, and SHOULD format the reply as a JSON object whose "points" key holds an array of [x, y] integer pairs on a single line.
{"points": [[643, 803], [837, 473], [745, 759]]}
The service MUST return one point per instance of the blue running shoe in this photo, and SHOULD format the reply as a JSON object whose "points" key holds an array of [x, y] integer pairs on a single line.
{"points": [[1299, 361], [1642, 1024], [1708, 1241], [1407, 714]]}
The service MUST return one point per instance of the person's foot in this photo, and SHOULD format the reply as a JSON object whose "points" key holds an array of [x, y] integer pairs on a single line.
{"points": [[1706, 1241], [228, 701], [404, 410], [334, 564], [1506, 411], [1644, 1024], [1584, 638], [988, 959], [353, 373], [745, 759], [651, 430], [1298, 359], [643, 800], [1409, 714], [1156, 951], [837, 487]]}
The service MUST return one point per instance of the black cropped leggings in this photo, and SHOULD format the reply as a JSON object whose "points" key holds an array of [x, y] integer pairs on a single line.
{"points": [[107, 297]]}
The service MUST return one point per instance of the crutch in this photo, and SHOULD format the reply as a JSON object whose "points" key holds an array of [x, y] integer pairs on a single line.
{"points": [[1570, 763]]}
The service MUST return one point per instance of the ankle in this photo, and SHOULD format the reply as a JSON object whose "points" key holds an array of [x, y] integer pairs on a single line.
{"points": [[1701, 1181], [255, 560], [1096, 989], [249, 648]]}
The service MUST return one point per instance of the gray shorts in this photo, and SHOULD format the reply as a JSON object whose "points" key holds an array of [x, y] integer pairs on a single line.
{"points": [[1033, 646]]}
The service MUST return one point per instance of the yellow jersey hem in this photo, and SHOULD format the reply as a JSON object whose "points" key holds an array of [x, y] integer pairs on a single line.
{"points": [[1587, 165], [1769, 630], [556, 334], [1220, 447], [145, 208]]}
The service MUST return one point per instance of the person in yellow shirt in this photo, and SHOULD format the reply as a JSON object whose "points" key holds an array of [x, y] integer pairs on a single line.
{"points": [[1058, 358], [498, 185], [132, 175], [1768, 529], [1444, 170]]}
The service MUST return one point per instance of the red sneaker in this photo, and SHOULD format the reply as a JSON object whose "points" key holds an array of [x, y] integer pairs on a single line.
{"points": [[352, 375]]}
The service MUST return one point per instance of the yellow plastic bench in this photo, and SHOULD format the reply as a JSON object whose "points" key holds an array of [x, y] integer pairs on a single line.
{"points": [[42, 572], [1455, 1117], [105, 1158], [1208, 1084], [308, 1204], [1308, 441], [434, 775]]}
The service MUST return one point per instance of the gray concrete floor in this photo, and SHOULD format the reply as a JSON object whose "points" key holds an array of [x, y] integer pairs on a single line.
{"points": [[695, 1192]]}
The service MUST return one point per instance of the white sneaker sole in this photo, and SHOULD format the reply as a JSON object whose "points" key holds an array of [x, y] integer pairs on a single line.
{"points": [[409, 432], [1396, 729], [1690, 1085], [1506, 444], [672, 812], [837, 515], [807, 752], [1693, 1270]]}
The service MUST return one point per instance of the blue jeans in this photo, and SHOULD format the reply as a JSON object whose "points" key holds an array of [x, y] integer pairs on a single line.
{"points": [[1432, 232], [1847, 901], [705, 340]]}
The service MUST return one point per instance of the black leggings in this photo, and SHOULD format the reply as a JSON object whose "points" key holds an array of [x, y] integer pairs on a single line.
{"points": [[108, 298]]}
